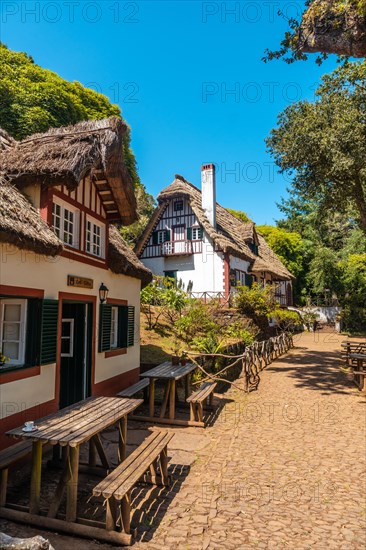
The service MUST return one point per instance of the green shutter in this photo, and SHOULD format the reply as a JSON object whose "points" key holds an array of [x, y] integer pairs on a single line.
{"points": [[166, 235], [155, 237], [189, 233], [200, 233], [105, 321], [49, 331], [122, 326], [131, 326], [33, 330]]}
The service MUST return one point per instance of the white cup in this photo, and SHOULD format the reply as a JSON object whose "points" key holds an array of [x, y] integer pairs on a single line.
{"points": [[29, 425]]}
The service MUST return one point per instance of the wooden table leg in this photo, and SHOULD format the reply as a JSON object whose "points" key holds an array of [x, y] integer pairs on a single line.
{"points": [[122, 439], [188, 389], [126, 512], [72, 484], [172, 400], [92, 453], [152, 397], [35, 491], [165, 400]]}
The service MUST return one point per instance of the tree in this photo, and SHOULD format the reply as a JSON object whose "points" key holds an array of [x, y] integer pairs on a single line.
{"points": [[33, 99], [286, 244], [323, 144], [326, 26]]}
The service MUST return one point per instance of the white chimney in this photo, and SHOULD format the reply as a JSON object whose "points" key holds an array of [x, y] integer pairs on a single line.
{"points": [[208, 182]]}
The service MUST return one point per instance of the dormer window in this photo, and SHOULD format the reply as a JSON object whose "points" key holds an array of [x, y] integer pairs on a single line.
{"points": [[254, 248], [178, 206], [65, 222]]}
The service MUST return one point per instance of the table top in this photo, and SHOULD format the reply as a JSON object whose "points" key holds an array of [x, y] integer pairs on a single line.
{"points": [[347, 343], [358, 356], [167, 371], [79, 422]]}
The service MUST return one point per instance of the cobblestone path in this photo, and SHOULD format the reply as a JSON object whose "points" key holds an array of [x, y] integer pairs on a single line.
{"points": [[285, 466]]}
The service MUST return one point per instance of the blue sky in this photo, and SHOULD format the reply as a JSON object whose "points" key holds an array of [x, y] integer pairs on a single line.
{"points": [[188, 77]]}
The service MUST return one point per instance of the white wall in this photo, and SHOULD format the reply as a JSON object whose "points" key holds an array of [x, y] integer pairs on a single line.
{"points": [[206, 270], [26, 269], [238, 263]]}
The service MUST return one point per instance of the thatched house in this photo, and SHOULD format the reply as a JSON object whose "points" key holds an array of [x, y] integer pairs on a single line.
{"points": [[62, 195], [191, 237]]}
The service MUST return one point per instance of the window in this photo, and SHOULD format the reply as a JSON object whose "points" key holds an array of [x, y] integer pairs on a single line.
{"points": [[65, 221], [67, 338], [94, 240], [195, 233], [114, 327], [254, 248], [161, 236], [178, 206], [28, 331], [12, 330]]}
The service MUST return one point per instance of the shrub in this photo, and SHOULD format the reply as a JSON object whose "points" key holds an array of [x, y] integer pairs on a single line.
{"points": [[287, 321]]}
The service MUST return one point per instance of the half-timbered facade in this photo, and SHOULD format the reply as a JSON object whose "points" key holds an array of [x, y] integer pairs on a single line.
{"points": [[69, 284], [193, 238]]}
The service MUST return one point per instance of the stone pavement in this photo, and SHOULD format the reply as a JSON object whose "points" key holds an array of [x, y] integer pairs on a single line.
{"points": [[285, 466], [282, 468]]}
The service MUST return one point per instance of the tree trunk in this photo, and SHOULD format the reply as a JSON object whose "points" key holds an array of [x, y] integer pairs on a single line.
{"points": [[361, 203]]}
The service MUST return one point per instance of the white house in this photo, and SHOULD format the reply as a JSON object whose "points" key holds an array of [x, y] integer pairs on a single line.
{"points": [[191, 237], [69, 284]]}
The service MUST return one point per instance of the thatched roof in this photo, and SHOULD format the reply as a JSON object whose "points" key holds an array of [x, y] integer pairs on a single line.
{"points": [[123, 260], [63, 156], [6, 141], [21, 224], [230, 236]]}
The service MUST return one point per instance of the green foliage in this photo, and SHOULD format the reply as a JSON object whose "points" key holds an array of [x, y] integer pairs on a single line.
{"points": [[34, 99], [354, 280], [323, 146], [288, 246], [287, 321], [242, 216], [325, 16], [162, 297], [256, 301], [309, 318], [196, 319]]}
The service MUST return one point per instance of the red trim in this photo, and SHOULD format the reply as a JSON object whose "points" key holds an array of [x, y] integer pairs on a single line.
{"points": [[20, 416], [226, 275], [78, 205], [84, 258], [111, 386], [21, 291], [115, 352], [117, 302], [18, 374], [46, 204]]}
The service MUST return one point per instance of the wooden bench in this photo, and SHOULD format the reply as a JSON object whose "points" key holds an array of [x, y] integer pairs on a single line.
{"points": [[116, 488], [352, 347], [135, 388], [7, 457], [197, 399]]}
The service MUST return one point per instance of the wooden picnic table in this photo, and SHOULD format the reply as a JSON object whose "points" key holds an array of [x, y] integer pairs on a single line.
{"points": [[69, 428], [360, 373], [170, 374]]}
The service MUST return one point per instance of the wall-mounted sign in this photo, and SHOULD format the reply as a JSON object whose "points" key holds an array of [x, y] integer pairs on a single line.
{"points": [[80, 282]]}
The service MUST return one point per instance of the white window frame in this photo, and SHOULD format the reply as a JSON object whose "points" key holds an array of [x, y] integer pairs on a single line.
{"points": [[60, 232], [195, 233], [114, 328], [101, 226], [71, 338], [22, 328]]}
